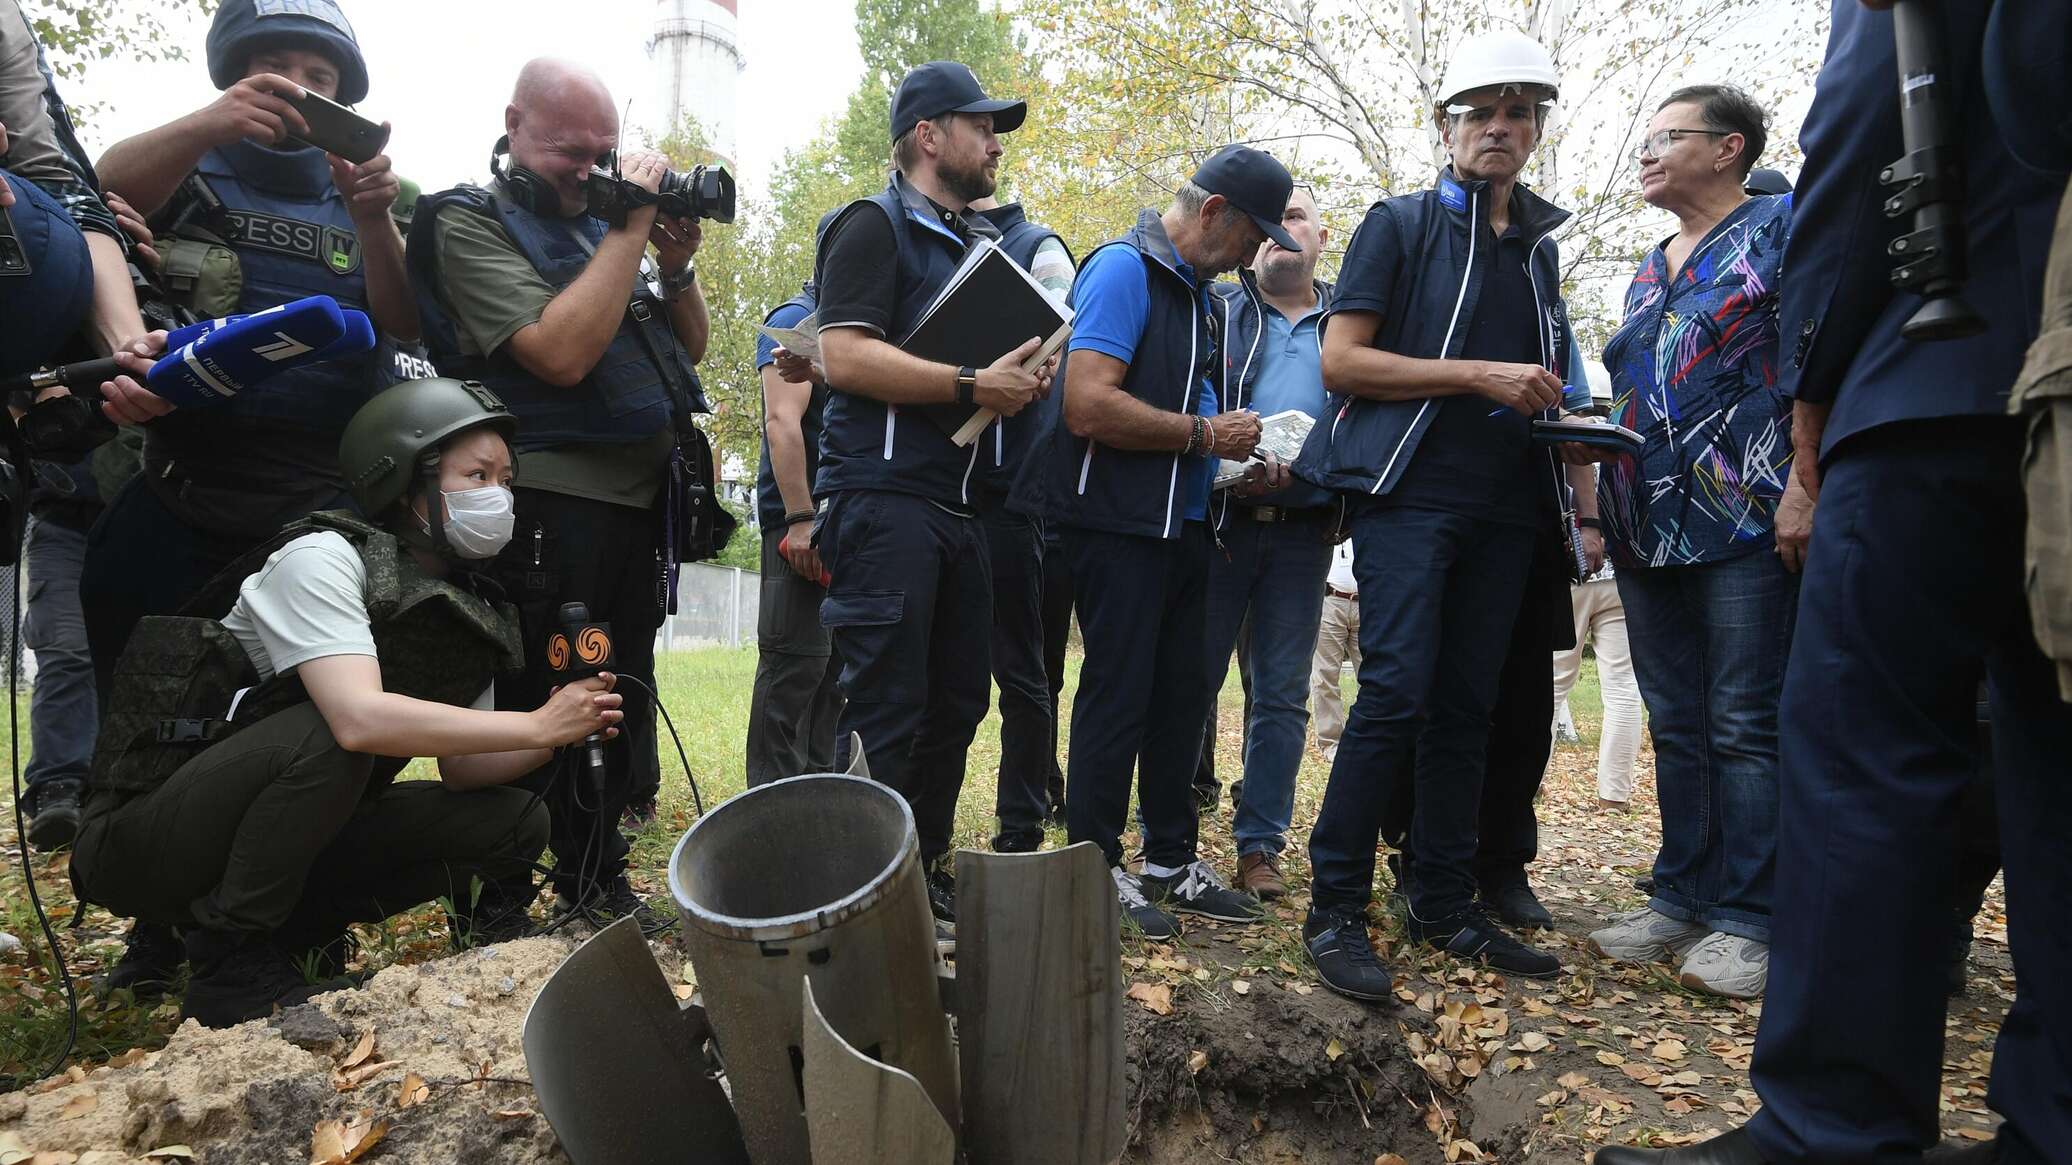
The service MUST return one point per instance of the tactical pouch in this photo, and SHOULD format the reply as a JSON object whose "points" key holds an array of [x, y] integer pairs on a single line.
{"points": [[2043, 398], [700, 524], [170, 699], [204, 277]]}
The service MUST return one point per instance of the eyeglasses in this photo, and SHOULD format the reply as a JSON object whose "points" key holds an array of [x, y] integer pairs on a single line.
{"points": [[1659, 143]]}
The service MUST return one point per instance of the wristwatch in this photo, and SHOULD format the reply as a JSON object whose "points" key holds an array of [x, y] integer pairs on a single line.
{"points": [[967, 384], [675, 285], [1590, 524]]}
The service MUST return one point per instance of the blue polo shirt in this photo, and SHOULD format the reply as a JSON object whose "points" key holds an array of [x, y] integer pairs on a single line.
{"points": [[1291, 371], [1110, 304]]}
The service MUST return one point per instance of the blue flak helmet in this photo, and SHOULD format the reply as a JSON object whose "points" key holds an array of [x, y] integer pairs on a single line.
{"points": [[244, 26]]}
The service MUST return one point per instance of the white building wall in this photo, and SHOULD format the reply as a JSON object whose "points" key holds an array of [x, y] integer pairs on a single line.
{"points": [[697, 62]]}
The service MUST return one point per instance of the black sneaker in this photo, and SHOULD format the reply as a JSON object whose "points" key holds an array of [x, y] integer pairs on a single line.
{"points": [[239, 977], [1337, 943], [1517, 906], [149, 964], [616, 900], [1471, 934], [55, 820], [1197, 890], [1137, 908], [1017, 843]]}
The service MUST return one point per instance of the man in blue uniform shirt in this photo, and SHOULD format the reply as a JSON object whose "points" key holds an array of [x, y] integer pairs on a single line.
{"points": [[1125, 471], [791, 714]]}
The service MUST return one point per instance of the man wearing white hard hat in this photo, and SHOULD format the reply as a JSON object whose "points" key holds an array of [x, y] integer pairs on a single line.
{"points": [[1448, 338]]}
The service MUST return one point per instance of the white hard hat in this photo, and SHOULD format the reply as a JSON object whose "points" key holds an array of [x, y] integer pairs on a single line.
{"points": [[1503, 57]]}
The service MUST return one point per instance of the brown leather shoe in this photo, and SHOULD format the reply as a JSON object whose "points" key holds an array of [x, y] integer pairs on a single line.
{"points": [[1259, 874]]}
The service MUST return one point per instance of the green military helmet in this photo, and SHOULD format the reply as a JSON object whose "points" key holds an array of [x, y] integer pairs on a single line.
{"points": [[386, 440]]}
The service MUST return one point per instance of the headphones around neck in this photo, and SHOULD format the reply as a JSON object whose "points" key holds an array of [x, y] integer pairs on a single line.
{"points": [[526, 189]]}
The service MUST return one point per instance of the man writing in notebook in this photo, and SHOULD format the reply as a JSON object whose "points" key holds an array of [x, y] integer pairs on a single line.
{"points": [[910, 603], [1125, 470]]}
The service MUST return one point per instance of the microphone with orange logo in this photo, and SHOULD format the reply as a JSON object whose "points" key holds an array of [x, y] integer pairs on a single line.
{"points": [[579, 650]]}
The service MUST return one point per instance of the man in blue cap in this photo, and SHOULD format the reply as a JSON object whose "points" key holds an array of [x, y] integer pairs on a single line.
{"points": [[910, 602], [1125, 470], [246, 219]]}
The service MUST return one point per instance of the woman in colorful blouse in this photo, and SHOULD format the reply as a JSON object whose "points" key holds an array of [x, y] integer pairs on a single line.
{"points": [[1707, 528]]}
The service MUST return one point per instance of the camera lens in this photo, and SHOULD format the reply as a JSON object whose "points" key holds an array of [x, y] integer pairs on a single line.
{"points": [[704, 192]]}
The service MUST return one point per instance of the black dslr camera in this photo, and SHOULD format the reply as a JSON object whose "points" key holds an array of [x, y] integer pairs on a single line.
{"points": [[705, 192]]}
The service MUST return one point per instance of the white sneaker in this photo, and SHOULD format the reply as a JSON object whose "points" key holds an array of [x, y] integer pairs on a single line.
{"points": [[1647, 936], [1727, 964]]}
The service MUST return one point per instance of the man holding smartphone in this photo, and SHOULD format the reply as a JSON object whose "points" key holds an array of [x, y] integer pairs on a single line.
{"points": [[242, 217]]}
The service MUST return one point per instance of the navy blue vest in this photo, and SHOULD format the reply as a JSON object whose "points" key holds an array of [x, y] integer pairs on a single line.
{"points": [[293, 238], [1002, 448], [624, 399], [1076, 481], [769, 503], [866, 443]]}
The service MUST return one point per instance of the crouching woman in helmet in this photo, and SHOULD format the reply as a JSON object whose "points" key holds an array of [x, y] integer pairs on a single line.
{"points": [[244, 789]]}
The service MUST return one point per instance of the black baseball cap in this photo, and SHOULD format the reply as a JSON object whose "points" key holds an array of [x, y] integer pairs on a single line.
{"points": [[1766, 182], [940, 87], [1254, 182]]}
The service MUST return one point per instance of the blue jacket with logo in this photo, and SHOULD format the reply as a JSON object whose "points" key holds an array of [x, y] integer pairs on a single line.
{"points": [[1076, 481], [1363, 446], [866, 443], [626, 398], [1241, 320]]}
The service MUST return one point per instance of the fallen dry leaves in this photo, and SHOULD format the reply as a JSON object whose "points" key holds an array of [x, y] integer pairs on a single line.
{"points": [[335, 1142], [1157, 998]]}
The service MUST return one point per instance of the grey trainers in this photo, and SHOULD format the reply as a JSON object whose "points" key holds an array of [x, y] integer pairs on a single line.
{"points": [[1727, 964], [1647, 936]]}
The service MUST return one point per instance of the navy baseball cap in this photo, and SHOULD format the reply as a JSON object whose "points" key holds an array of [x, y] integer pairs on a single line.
{"points": [[1254, 182], [940, 87]]}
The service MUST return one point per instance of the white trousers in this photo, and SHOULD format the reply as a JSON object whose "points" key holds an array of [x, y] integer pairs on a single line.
{"points": [[1338, 641], [1601, 622]]}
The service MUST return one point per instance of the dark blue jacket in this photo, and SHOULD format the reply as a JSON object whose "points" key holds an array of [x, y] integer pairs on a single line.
{"points": [[626, 398], [1365, 445], [293, 238], [866, 443], [1838, 310], [1003, 447], [1075, 481], [1241, 318]]}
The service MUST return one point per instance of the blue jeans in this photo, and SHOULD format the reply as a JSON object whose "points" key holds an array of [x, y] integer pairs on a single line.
{"points": [[63, 716], [1439, 593], [1709, 645], [1273, 571]]}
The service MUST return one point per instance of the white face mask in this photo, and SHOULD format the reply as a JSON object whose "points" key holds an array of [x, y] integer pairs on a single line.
{"points": [[479, 521]]}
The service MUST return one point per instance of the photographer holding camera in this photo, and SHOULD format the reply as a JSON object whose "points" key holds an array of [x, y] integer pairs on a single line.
{"points": [[560, 314]]}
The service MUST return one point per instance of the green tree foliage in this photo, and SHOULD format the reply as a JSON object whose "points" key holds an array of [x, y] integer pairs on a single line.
{"points": [[77, 33]]}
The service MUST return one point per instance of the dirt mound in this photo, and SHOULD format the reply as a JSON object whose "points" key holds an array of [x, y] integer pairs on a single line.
{"points": [[255, 1094]]}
